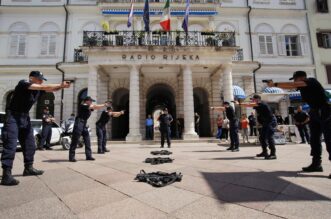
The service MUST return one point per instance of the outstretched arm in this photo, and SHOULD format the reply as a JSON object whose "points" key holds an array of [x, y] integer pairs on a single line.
{"points": [[287, 85], [218, 108], [50, 87], [116, 114], [98, 106]]}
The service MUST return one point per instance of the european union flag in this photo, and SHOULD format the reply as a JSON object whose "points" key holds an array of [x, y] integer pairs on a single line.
{"points": [[187, 12], [146, 16]]}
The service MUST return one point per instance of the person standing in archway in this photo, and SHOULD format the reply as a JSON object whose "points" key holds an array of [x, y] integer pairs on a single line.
{"points": [[17, 125], [46, 132], [165, 120], [149, 127]]}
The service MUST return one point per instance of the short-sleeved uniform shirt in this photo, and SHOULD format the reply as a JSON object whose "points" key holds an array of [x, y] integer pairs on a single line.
{"points": [[313, 94], [165, 120], [104, 118], [230, 114], [23, 98], [45, 117], [301, 116], [252, 120], [84, 112], [264, 113]]}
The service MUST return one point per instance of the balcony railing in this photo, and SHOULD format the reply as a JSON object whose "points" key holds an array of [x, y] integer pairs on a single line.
{"points": [[162, 1], [159, 38], [239, 56], [79, 56]]}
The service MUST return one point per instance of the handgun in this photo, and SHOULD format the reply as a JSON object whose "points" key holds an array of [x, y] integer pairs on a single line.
{"points": [[267, 80]]}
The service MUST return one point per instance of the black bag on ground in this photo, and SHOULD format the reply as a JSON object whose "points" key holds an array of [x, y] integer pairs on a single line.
{"points": [[162, 152], [158, 160], [159, 179]]}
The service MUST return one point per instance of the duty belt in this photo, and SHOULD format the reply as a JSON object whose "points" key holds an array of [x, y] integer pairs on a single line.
{"points": [[158, 160], [162, 152], [159, 179], [10, 112]]}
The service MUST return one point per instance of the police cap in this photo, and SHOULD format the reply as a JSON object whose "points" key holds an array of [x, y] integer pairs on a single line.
{"points": [[37, 74]]}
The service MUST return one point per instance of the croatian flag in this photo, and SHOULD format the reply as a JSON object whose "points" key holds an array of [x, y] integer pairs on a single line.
{"points": [[130, 18], [165, 20], [146, 16], [187, 12]]}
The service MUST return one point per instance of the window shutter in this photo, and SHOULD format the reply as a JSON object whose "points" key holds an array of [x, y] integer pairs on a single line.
{"points": [[270, 50], [319, 37], [262, 43], [13, 45], [52, 45], [21, 45], [303, 45], [44, 45], [281, 45], [328, 73]]}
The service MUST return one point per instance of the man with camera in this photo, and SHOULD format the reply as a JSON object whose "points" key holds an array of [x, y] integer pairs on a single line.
{"points": [[46, 131], [165, 120], [314, 95], [301, 120], [18, 126], [101, 127]]}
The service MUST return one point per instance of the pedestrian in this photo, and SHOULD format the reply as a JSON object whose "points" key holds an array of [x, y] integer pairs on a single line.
{"points": [[165, 120], [244, 127], [279, 118], [149, 127], [234, 125], [46, 131], [225, 129], [197, 123], [80, 127], [268, 121], [252, 124], [17, 125], [301, 120], [180, 127], [219, 123], [314, 95]]}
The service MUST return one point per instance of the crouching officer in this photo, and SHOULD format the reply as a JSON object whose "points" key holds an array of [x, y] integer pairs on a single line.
{"points": [[268, 121], [314, 95], [18, 126], [234, 125], [46, 132], [101, 128], [80, 128]]}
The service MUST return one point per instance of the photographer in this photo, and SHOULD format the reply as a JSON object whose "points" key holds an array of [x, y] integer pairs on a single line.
{"points": [[314, 95], [165, 120], [18, 126]]}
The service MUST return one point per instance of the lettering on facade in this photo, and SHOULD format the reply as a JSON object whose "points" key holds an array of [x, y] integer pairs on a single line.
{"points": [[163, 57]]}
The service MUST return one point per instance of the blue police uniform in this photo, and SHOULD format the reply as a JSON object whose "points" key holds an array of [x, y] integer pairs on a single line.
{"points": [[165, 120], [102, 132], [268, 121], [234, 128], [46, 132], [18, 126], [80, 129]]}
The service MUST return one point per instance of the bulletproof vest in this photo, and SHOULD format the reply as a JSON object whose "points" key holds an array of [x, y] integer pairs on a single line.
{"points": [[159, 179], [158, 160]]}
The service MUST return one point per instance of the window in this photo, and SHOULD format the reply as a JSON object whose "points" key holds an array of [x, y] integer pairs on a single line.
{"points": [[324, 39], [48, 45], [292, 48], [328, 73], [17, 45], [266, 45], [292, 45], [322, 6]]}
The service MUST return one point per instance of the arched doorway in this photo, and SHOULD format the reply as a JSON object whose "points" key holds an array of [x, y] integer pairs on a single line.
{"points": [[201, 106], [7, 98], [120, 125], [45, 100], [161, 96]]}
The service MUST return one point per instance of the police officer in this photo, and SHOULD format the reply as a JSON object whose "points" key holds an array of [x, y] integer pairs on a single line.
{"points": [[101, 128], [268, 121], [165, 120], [314, 95], [301, 120], [18, 126], [80, 128], [46, 131], [234, 125]]}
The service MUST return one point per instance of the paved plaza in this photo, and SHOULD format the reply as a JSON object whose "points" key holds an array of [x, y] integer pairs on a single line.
{"points": [[216, 184]]}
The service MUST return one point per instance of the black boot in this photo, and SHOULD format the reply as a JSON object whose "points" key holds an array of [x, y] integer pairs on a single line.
{"points": [[8, 179], [29, 170], [264, 154], [230, 148], [315, 166]]}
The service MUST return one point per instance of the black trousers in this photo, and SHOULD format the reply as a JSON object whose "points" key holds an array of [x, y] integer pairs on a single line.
{"points": [[252, 130], [320, 123], [267, 138], [234, 129], [46, 135], [102, 138], [149, 132], [80, 129], [225, 133], [303, 130], [17, 127], [165, 133]]}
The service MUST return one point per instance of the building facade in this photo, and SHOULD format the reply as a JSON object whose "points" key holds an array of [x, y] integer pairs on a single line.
{"points": [[231, 46]]}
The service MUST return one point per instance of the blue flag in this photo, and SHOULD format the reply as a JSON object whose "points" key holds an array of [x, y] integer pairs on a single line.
{"points": [[187, 12], [130, 17], [146, 16]]}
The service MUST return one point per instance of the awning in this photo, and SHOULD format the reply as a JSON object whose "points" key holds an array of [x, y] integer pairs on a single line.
{"points": [[295, 95], [305, 107], [238, 92], [273, 90], [273, 94]]}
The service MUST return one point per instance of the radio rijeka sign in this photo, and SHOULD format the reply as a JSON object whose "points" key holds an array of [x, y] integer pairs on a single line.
{"points": [[136, 57]]}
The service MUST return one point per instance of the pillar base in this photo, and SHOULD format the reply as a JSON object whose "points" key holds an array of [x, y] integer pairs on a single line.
{"points": [[133, 137], [190, 136]]}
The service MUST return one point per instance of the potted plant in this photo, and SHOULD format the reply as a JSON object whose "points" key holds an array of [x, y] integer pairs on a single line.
{"points": [[92, 40], [210, 41], [140, 38], [178, 43]]}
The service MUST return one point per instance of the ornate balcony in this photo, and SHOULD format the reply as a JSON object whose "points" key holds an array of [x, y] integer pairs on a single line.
{"points": [[158, 38]]}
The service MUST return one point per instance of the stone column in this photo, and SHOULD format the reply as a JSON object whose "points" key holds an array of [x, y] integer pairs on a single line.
{"points": [[93, 91], [134, 117], [227, 83], [189, 132]]}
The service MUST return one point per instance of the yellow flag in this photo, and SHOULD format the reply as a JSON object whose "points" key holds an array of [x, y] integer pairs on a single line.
{"points": [[105, 26]]}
